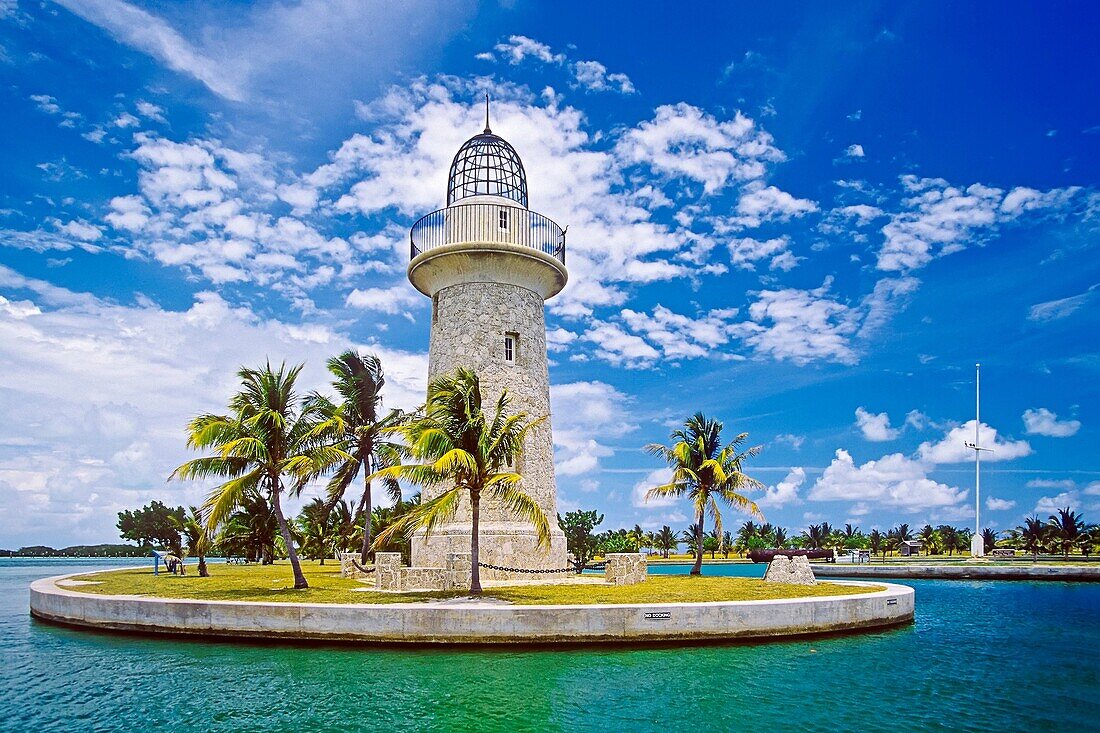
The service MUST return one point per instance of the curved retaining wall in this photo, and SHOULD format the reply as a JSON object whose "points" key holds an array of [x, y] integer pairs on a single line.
{"points": [[474, 622], [976, 571]]}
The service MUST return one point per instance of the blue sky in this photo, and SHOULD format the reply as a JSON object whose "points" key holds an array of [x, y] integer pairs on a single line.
{"points": [[808, 222]]}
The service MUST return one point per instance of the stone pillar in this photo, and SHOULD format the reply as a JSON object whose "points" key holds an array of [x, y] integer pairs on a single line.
{"points": [[458, 569], [388, 572], [347, 566], [790, 570], [625, 568]]}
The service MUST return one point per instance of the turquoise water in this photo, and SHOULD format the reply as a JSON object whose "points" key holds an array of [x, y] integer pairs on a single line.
{"points": [[980, 656]]}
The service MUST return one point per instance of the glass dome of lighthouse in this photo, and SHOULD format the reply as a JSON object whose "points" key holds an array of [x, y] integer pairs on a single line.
{"points": [[487, 165]]}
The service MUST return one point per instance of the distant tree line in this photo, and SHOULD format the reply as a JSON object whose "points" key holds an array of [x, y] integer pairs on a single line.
{"points": [[105, 550], [1063, 533]]}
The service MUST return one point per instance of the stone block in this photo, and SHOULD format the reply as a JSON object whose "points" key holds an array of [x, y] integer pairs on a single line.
{"points": [[625, 568], [347, 566], [790, 570], [388, 571], [459, 567]]}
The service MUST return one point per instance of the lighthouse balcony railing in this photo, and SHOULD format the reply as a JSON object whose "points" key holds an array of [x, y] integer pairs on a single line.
{"points": [[494, 223]]}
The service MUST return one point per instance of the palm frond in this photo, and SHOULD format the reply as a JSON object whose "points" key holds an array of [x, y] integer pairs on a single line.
{"points": [[517, 501]]}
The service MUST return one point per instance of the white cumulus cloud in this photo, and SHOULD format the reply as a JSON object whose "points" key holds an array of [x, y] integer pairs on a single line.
{"points": [[1042, 421], [875, 427], [952, 448]]}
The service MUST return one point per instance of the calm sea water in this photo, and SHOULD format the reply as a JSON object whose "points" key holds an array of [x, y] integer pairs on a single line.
{"points": [[981, 656]]}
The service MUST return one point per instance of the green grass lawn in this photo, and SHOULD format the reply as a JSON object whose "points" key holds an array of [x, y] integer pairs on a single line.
{"points": [[274, 583]]}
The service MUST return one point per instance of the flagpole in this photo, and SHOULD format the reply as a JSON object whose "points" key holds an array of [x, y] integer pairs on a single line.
{"points": [[977, 546]]}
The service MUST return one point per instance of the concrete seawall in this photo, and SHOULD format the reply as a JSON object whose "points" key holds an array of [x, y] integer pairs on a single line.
{"points": [[975, 571], [466, 621]]}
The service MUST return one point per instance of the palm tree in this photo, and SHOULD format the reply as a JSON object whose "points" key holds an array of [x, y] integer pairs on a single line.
{"points": [[343, 523], [265, 440], [813, 537], [780, 537], [989, 539], [317, 530], [1090, 539], [929, 537], [1033, 535], [745, 533], [949, 537], [712, 542], [383, 517], [666, 540], [459, 444], [250, 531], [358, 430], [1066, 529], [193, 530], [727, 543], [704, 470], [766, 533], [690, 537], [877, 541]]}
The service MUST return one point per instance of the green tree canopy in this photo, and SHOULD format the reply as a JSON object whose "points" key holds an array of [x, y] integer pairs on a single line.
{"points": [[153, 524], [579, 539]]}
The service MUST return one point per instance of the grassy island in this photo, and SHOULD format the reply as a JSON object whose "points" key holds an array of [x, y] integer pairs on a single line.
{"points": [[271, 583]]}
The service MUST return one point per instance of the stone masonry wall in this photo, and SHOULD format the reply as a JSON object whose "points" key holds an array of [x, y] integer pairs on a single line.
{"points": [[469, 323], [625, 568], [790, 570]]}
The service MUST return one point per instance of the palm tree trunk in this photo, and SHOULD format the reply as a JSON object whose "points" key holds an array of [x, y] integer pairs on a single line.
{"points": [[367, 521], [203, 572], [698, 567], [299, 577], [475, 570]]}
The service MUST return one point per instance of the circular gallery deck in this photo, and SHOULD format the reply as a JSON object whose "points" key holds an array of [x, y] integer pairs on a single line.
{"points": [[471, 621]]}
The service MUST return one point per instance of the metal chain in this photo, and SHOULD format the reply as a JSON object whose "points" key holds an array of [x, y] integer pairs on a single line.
{"points": [[539, 571]]}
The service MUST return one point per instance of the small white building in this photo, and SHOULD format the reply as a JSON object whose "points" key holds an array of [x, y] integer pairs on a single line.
{"points": [[910, 547]]}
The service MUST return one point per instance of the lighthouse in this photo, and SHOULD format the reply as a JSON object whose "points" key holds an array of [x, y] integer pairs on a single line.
{"points": [[489, 263]]}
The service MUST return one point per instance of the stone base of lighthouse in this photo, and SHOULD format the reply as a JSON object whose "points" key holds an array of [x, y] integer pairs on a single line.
{"points": [[504, 544]]}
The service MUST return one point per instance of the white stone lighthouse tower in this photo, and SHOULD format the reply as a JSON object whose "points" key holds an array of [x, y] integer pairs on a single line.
{"points": [[488, 263]]}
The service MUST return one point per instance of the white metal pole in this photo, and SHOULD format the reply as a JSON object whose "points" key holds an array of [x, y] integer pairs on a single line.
{"points": [[976, 548]]}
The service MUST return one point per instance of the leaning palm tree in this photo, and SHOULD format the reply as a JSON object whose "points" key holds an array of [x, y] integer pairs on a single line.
{"points": [[359, 430], [704, 470], [457, 443], [268, 443], [193, 529]]}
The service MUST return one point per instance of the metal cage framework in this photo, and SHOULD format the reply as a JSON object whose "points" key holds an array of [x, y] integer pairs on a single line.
{"points": [[487, 165]]}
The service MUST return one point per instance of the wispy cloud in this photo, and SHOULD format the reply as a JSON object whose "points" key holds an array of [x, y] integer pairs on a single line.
{"points": [[152, 35]]}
